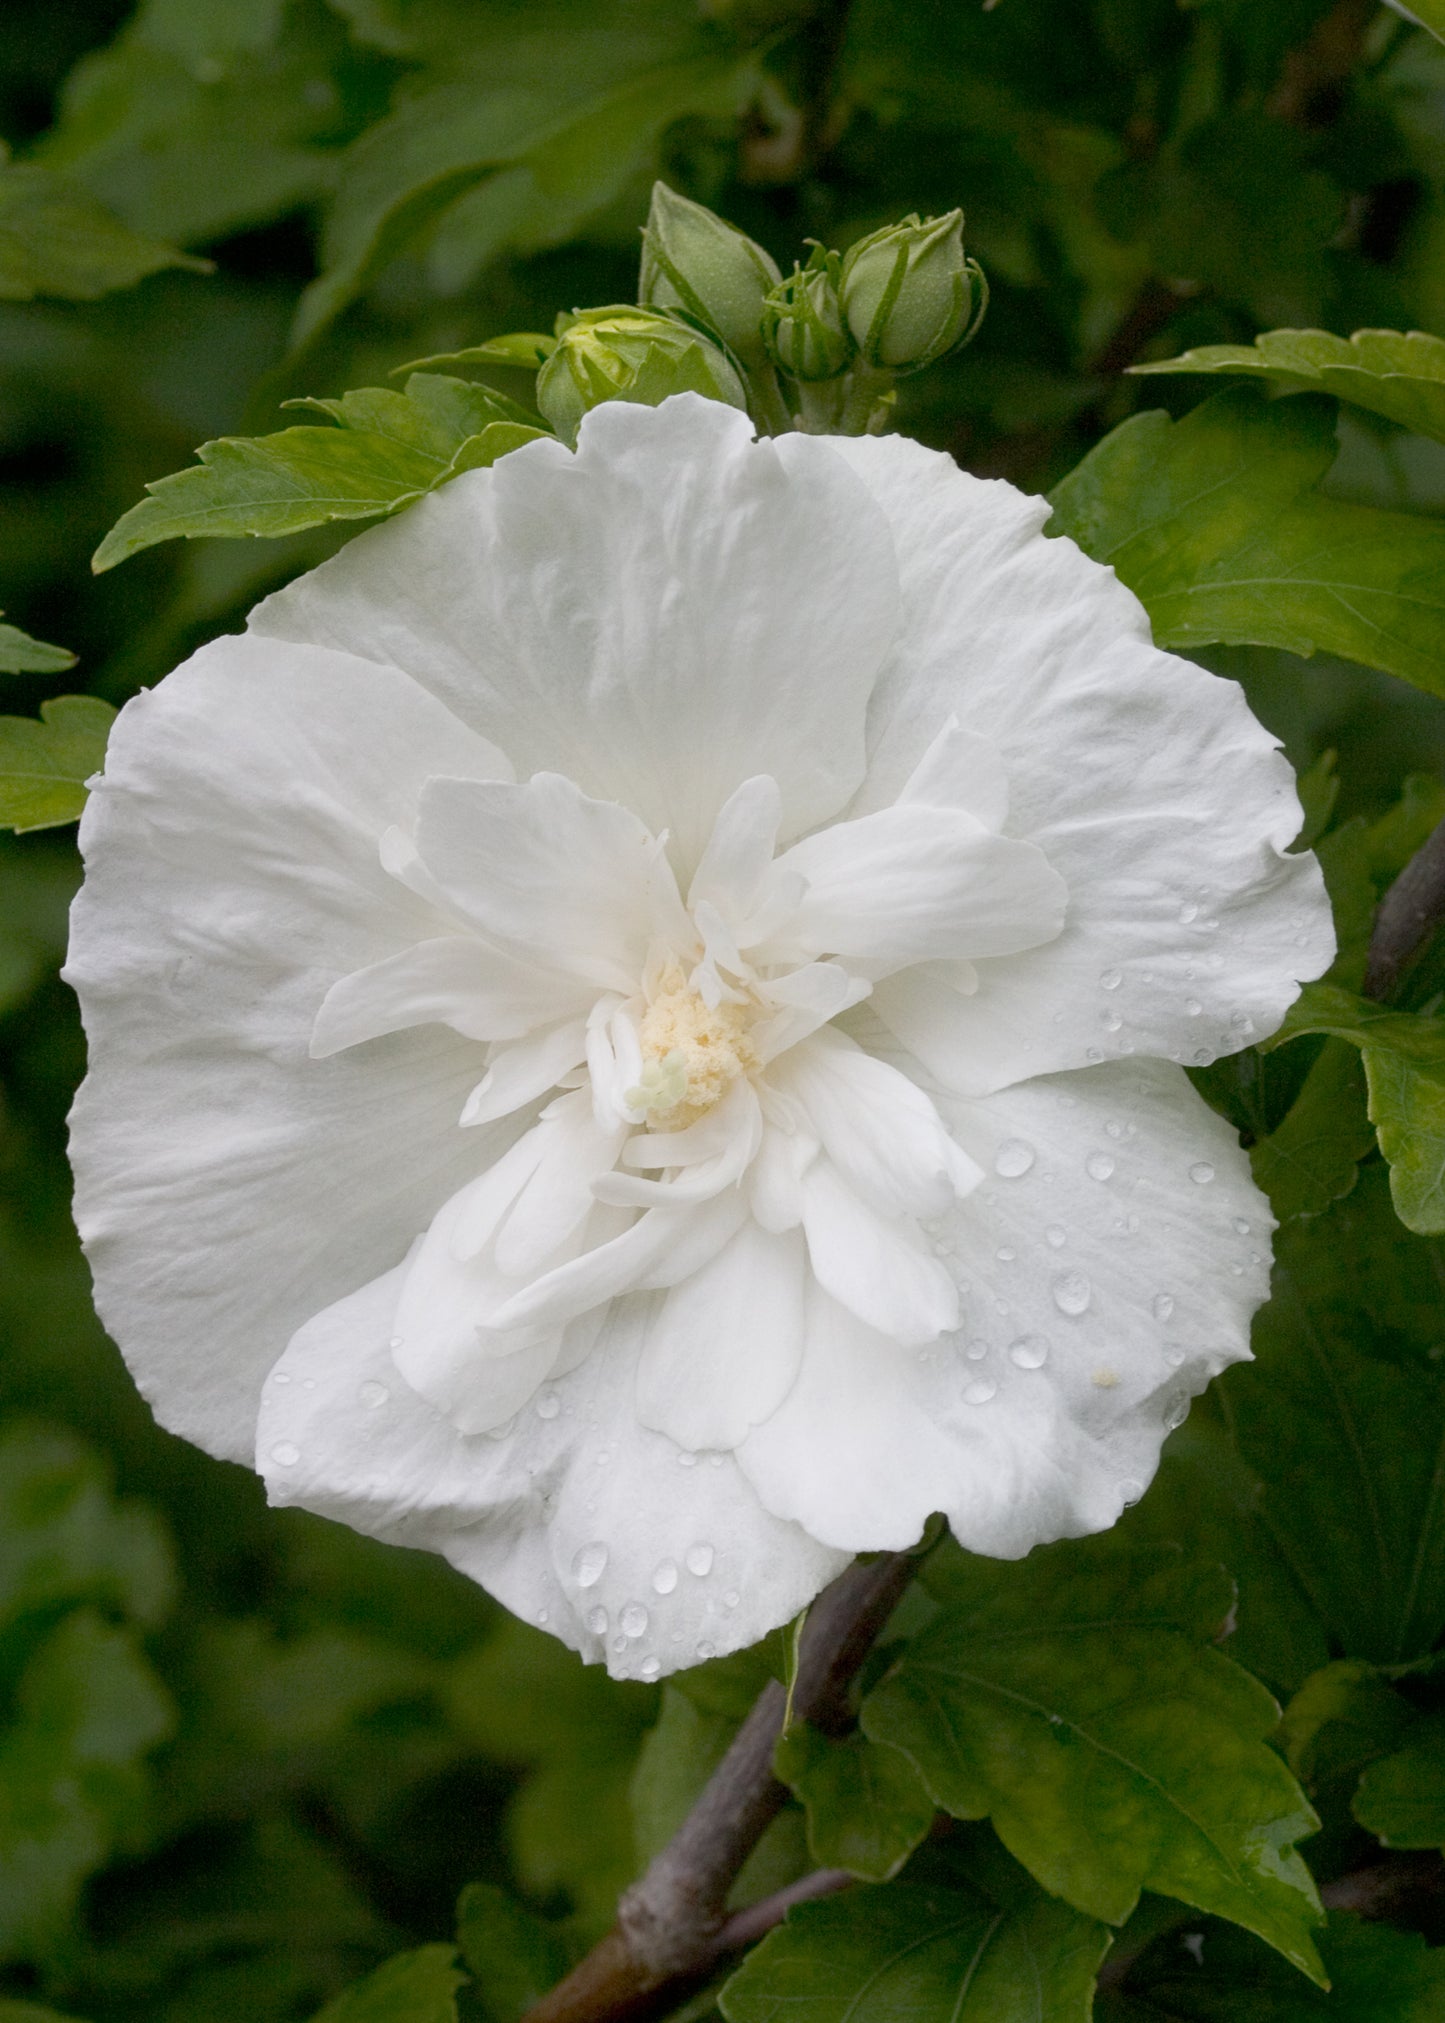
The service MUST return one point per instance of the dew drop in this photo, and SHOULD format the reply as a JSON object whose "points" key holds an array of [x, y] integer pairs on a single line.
{"points": [[1111, 979], [1030, 1352], [1056, 1236], [1163, 1305], [1193, 1007], [698, 1560], [633, 1620], [1005, 1255], [976, 1351], [731, 1598], [1176, 1411], [597, 1622], [1202, 1173], [542, 1616], [373, 1395], [1130, 1491], [1013, 1159], [649, 1669], [979, 1391], [1114, 1128], [501, 1432], [590, 1564], [1112, 1022], [664, 1579], [1174, 1357], [1093, 1056], [548, 1405], [705, 1651], [308, 1383], [1098, 1165], [1072, 1293], [1188, 913], [281, 1378], [285, 1454], [397, 1342], [1241, 1227], [686, 1460]]}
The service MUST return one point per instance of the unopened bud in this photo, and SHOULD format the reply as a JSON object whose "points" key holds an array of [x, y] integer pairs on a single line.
{"points": [[909, 294], [694, 261], [622, 353], [803, 321]]}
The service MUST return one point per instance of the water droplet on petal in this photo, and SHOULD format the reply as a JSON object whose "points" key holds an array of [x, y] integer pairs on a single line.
{"points": [[705, 1651], [1093, 1056], [590, 1564], [686, 1460], [1013, 1159], [664, 1578], [1098, 1165], [731, 1598], [979, 1391], [1114, 1128], [285, 1454], [548, 1405], [280, 1378], [1030, 1352], [542, 1616], [1112, 1022], [1130, 1491], [1163, 1305], [597, 1622], [1241, 1226], [1202, 1173], [373, 1395], [1188, 912], [976, 1351], [1193, 1007], [1056, 1235], [698, 1560], [1174, 1357], [1005, 1255], [649, 1668], [1176, 1411], [1111, 979], [633, 1620], [1072, 1293]]}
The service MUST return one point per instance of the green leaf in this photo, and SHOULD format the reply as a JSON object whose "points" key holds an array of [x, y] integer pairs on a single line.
{"points": [[867, 1810], [86, 1709], [1215, 523], [20, 654], [1390, 372], [55, 239], [1377, 1975], [1341, 1421], [1429, 13], [1343, 1717], [1313, 1158], [419, 1987], [533, 136], [1404, 1061], [44, 766], [1080, 1703], [515, 1955], [388, 449], [30, 2012], [1401, 1798], [65, 1540], [992, 1949], [522, 350]]}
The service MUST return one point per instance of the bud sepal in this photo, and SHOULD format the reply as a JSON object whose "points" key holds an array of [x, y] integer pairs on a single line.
{"points": [[619, 352], [910, 294]]}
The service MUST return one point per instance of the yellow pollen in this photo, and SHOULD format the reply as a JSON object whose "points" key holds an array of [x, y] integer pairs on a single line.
{"points": [[692, 1053]]}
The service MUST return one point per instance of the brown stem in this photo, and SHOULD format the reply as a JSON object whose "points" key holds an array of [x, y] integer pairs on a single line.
{"points": [[1410, 913], [672, 1925]]}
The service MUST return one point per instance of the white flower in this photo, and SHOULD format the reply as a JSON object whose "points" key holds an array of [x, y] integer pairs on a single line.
{"points": [[635, 1020]]}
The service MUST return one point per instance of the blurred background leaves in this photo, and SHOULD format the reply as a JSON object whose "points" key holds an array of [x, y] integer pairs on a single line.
{"points": [[246, 1757]]}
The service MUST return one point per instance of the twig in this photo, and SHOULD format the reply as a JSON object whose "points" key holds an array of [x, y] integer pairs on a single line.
{"points": [[1410, 913], [672, 1926], [746, 1927]]}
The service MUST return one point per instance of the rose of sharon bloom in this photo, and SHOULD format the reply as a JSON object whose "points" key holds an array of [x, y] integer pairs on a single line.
{"points": [[636, 1020]]}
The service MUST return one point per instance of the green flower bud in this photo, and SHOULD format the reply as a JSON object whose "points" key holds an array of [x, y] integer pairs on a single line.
{"points": [[695, 262], [803, 323], [909, 294], [622, 353]]}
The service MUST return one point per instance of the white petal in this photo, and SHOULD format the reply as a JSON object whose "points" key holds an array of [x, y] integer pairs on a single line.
{"points": [[453, 980], [877, 1126], [577, 1517], [914, 884], [960, 770], [661, 616], [806, 999], [233, 876], [739, 852], [574, 884], [1109, 1270], [1147, 783], [721, 1349], [737, 1123], [879, 1266], [520, 1073]]}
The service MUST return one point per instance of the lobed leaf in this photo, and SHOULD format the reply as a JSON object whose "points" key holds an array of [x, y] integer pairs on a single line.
{"points": [[56, 239], [44, 766], [1399, 374], [1082, 1706], [515, 1955], [20, 654], [992, 1949], [388, 449], [1312, 1159], [866, 1807], [1215, 523], [65, 1540], [1401, 1797], [1377, 1975], [419, 1987], [1404, 1061]]}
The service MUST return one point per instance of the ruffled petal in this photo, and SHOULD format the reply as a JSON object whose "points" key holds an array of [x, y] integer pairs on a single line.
{"points": [[721, 1350], [1109, 1270], [453, 980], [227, 1184], [586, 612], [878, 1266], [577, 1517], [1165, 806], [917, 884]]}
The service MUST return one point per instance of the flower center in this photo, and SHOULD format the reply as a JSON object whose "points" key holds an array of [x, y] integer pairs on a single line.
{"points": [[692, 1052]]}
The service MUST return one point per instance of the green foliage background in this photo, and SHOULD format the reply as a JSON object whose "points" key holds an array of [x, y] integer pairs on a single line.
{"points": [[246, 1757]]}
